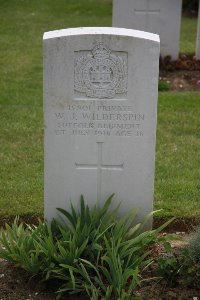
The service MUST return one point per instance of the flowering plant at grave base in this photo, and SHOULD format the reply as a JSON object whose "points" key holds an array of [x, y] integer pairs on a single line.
{"points": [[184, 62], [92, 252], [195, 58]]}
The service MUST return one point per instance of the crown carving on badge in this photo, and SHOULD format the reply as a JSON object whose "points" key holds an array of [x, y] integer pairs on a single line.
{"points": [[101, 51]]}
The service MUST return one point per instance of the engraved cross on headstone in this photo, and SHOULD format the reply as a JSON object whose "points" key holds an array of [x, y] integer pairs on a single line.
{"points": [[147, 13], [99, 167]]}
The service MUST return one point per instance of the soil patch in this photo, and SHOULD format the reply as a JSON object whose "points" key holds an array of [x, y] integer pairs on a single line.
{"points": [[15, 283], [182, 74], [181, 80], [178, 225]]}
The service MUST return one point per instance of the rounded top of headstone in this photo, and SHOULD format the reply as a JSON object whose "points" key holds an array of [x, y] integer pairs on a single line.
{"points": [[101, 30]]}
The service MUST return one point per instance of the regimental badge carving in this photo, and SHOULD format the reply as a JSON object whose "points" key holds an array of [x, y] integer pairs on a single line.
{"points": [[100, 73]]}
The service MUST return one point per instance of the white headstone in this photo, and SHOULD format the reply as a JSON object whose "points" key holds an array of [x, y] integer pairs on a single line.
{"points": [[198, 36], [162, 17], [100, 102]]}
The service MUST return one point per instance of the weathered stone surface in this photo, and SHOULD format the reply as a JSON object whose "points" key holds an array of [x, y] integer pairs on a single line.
{"points": [[100, 103], [162, 17]]}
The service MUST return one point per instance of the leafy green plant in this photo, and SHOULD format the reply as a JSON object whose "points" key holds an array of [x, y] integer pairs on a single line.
{"points": [[89, 250], [194, 246], [18, 245], [169, 268], [122, 253], [192, 274], [187, 264], [191, 260], [169, 264], [163, 86]]}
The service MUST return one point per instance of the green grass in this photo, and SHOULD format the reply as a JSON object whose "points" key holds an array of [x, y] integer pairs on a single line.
{"points": [[21, 156], [21, 153], [177, 185], [23, 23], [188, 35]]}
